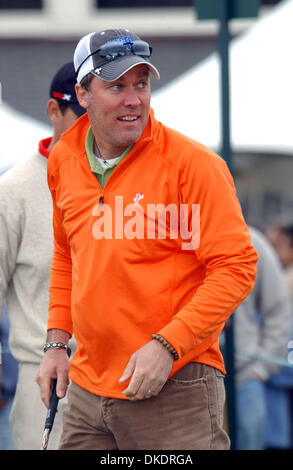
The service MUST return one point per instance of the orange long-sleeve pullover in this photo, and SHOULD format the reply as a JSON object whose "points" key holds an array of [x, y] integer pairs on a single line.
{"points": [[120, 273]]}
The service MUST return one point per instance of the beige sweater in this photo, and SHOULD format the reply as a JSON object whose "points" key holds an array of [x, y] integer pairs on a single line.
{"points": [[26, 244], [263, 321]]}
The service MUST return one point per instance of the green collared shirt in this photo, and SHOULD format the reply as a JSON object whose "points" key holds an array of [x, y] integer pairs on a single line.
{"points": [[101, 173]]}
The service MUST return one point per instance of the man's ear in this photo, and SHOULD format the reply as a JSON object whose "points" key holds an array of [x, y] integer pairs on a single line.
{"points": [[82, 95], [54, 111]]}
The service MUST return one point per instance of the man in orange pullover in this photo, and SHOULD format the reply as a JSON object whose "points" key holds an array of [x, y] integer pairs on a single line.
{"points": [[151, 256]]}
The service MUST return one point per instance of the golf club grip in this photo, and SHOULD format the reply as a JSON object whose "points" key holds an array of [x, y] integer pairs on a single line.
{"points": [[53, 403], [52, 407]]}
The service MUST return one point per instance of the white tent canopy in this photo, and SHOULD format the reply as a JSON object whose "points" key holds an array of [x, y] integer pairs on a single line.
{"points": [[261, 91], [20, 136]]}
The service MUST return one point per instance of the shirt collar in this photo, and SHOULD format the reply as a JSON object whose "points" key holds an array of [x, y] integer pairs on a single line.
{"points": [[43, 145]]}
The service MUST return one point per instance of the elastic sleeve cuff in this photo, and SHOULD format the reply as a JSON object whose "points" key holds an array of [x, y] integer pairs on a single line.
{"points": [[59, 324], [179, 336]]}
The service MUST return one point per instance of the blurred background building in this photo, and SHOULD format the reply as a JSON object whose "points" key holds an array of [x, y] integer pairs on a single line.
{"points": [[38, 36]]}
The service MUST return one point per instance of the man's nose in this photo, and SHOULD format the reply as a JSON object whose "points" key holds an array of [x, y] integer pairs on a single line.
{"points": [[131, 97]]}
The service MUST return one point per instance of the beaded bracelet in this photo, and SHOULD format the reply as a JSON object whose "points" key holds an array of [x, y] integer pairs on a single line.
{"points": [[167, 345], [55, 345]]}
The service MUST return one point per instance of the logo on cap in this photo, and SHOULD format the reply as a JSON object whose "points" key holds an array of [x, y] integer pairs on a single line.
{"points": [[62, 96]]}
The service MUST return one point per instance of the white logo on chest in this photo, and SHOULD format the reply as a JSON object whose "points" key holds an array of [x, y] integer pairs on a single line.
{"points": [[137, 198]]}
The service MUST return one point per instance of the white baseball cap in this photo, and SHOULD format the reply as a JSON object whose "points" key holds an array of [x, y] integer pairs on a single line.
{"points": [[111, 53]]}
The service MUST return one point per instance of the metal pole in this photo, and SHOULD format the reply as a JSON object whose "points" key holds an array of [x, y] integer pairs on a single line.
{"points": [[224, 39], [227, 155]]}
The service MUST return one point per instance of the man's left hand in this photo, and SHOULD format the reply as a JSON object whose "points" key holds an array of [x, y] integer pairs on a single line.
{"points": [[149, 368]]}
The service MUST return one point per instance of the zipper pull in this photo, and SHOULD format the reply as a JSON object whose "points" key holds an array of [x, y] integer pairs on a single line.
{"points": [[101, 200]]}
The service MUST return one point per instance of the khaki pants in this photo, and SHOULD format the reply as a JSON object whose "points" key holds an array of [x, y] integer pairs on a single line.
{"points": [[28, 412], [187, 414]]}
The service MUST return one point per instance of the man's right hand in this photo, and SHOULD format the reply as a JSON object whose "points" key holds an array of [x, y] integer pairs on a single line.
{"points": [[54, 365]]}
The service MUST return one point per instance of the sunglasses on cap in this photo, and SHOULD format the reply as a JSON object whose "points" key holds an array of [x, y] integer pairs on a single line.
{"points": [[114, 49]]}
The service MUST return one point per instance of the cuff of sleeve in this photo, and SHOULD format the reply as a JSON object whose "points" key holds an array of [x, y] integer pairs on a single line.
{"points": [[59, 324], [179, 336]]}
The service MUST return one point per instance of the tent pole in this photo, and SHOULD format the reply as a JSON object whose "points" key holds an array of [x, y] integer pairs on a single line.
{"points": [[227, 155], [225, 81]]}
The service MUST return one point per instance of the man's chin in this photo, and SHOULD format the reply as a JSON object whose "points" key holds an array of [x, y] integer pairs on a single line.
{"points": [[130, 139]]}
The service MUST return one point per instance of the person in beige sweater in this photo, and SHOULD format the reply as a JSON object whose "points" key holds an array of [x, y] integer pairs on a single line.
{"points": [[26, 247]]}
